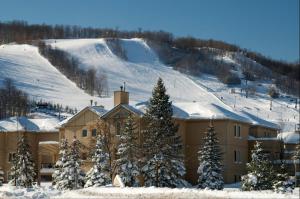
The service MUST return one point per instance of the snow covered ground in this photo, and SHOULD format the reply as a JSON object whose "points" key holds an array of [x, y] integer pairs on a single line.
{"points": [[36, 76], [194, 97], [47, 192]]}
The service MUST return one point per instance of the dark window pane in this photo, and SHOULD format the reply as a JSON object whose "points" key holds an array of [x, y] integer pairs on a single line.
{"points": [[94, 132], [84, 133]]}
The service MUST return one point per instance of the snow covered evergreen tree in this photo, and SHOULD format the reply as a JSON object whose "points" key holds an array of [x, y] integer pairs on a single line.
{"points": [[282, 182], [296, 158], [260, 171], [71, 177], [99, 174], [24, 167], [210, 166], [127, 154], [1, 176], [164, 164], [62, 160]]}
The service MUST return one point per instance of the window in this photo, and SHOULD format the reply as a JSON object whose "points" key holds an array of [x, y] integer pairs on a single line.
{"points": [[94, 132], [118, 128], [83, 156], [237, 131], [84, 133], [237, 156], [11, 157]]}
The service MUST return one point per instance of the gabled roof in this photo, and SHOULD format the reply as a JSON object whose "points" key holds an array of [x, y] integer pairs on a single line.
{"points": [[125, 106], [99, 110]]}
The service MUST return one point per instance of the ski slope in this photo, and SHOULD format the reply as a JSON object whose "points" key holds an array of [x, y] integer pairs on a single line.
{"points": [[36, 76], [193, 97]]}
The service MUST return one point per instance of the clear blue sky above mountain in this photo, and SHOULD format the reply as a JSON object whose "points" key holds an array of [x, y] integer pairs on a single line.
{"points": [[270, 27]]}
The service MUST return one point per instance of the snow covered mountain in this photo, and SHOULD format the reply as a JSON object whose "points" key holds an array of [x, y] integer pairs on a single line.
{"points": [[200, 97]]}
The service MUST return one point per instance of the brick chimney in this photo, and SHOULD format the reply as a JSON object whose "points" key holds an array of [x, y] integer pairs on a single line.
{"points": [[121, 96]]}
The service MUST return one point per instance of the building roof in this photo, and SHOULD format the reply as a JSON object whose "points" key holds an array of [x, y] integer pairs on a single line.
{"points": [[290, 137], [38, 124], [125, 106], [186, 111], [198, 110], [99, 110]]}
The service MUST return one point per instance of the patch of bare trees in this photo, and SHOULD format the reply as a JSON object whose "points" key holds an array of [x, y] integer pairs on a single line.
{"points": [[13, 102], [91, 80]]}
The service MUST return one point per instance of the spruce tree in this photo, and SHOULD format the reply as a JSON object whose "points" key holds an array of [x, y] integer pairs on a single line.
{"points": [[210, 166], [1, 176], [260, 171], [24, 168], [127, 154], [99, 174], [63, 159], [282, 182], [296, 158], [71, 177], [164, 164]]}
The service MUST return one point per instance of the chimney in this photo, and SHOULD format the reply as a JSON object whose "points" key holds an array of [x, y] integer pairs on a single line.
{"points": [[121, 96], [91, 102]]}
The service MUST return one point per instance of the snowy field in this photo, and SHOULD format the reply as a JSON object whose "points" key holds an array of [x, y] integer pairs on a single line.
{"points": [[46, 192], [202, 97]]}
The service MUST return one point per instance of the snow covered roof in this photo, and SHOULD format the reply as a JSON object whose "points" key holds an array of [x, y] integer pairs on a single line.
{"points": [[206, 110], [290, 137], [125, 106], [36, 124], [99, 110], [262, 138]]}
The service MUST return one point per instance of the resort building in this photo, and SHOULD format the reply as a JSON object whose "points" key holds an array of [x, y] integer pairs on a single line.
{"points": [[236, 132]]}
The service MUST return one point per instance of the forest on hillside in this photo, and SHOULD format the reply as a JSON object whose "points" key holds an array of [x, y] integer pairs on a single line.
{"points": [[186, 54]]}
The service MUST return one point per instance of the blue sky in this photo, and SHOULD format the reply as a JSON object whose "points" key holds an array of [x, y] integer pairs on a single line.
{"points": [[270, 27]]}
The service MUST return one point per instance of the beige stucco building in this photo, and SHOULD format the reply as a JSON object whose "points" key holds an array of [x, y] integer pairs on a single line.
{"points": [[236, 138]]}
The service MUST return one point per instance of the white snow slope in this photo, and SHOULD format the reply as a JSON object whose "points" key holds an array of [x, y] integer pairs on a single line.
{"points": [[193, 97], [36, 76]]}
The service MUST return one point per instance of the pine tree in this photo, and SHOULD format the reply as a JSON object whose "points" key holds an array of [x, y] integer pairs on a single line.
{"points": [[71, 176], [99, 174], [210, 166], [24, 166], [296, 158], [164, 164], [282, 182], [260, 171], [127, 161], [1, 176], [63, 159]]}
